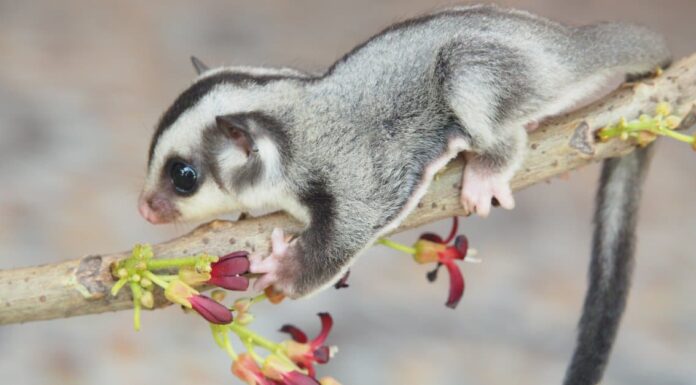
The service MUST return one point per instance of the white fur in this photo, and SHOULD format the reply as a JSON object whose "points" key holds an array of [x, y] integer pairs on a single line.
{"points": [[185, 135], [454, 147]]}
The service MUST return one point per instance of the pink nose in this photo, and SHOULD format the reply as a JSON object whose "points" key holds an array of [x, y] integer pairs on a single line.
{"points": [[147, 212]]}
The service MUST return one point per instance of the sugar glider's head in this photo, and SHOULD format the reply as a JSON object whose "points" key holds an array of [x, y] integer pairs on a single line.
{"points": [[217, 149]]}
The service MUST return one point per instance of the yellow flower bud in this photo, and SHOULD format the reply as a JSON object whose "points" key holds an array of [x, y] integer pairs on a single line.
{"points": [[242, 305], [147, 299], [145, 283], [672, 122], [663, 109], [244, 319], [179, 292], [218, 295], [645, 137]]}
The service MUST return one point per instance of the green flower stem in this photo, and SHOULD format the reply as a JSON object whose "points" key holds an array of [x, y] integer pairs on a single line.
{"points": [[678, 136], [227, 345], [397, 246], [654, 125], [156, 279], [247, 342], [118, 285], [259, 298], [246, 334], [137, 294], [158, 264], [168, 277]]}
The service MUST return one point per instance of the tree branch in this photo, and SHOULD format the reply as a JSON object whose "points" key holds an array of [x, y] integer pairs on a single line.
{"points": [[81, 286]]}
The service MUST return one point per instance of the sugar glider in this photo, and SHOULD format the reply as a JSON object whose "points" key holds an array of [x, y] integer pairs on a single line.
{"points": [[351, 151]]}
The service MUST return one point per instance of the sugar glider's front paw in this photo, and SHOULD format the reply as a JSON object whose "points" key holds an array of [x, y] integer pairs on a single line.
{"points": [[278, 268], [479, 189]]}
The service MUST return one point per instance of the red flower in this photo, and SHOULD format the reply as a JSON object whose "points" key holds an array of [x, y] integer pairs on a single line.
{"points": [[179, 292], [274, 372], [213, 311], [228, 271], [304, 352], [249, 371], [432, 248], [297, 378]]}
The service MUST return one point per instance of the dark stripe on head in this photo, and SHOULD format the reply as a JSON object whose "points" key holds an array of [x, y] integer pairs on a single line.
{"points": [[195, 93]]}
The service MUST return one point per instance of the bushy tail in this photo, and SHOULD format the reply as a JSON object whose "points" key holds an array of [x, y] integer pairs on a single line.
{"points": [[611, 266], [631, 48]]}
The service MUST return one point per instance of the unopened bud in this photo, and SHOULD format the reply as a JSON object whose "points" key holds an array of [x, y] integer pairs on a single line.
{"points": [[245, 319], [672, 122], [147, 299], [242, 305], [218, 295], [145, 283], [274, 296], [663, 108]]}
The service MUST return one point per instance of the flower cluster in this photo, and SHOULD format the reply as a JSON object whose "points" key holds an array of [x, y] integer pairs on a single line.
{"points": [[290, 362], [646, 129], [431, 248], [139, 272]]}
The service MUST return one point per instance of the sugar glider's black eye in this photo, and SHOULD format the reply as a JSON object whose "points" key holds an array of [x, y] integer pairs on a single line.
{"points": [[184, 177]]}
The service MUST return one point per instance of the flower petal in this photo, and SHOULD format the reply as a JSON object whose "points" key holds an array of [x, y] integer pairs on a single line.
{"points": [[231, 264], [461, 243], [453, 231], [248, 371], [431, 237], [297, 378], [456, 289], [234, 282], [213, 311], [295, 332], [326, 324]]}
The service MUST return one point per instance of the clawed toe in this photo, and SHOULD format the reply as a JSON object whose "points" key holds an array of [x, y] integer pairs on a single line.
{"points": [[478, 191], [270, 265]]}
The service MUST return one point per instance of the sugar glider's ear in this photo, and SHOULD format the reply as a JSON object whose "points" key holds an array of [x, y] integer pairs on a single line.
{"points": [[237, 129], [199, 65]]}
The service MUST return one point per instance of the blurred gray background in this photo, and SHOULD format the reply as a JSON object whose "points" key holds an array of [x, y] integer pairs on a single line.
{"points": [[82, 84]]}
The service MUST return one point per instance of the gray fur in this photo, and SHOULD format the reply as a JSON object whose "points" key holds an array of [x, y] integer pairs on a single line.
{"points": [[614, 241], [362, 134]]}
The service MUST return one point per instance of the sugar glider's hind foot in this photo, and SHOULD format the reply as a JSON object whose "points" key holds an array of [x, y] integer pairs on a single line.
{"points": [[479, 187]]}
